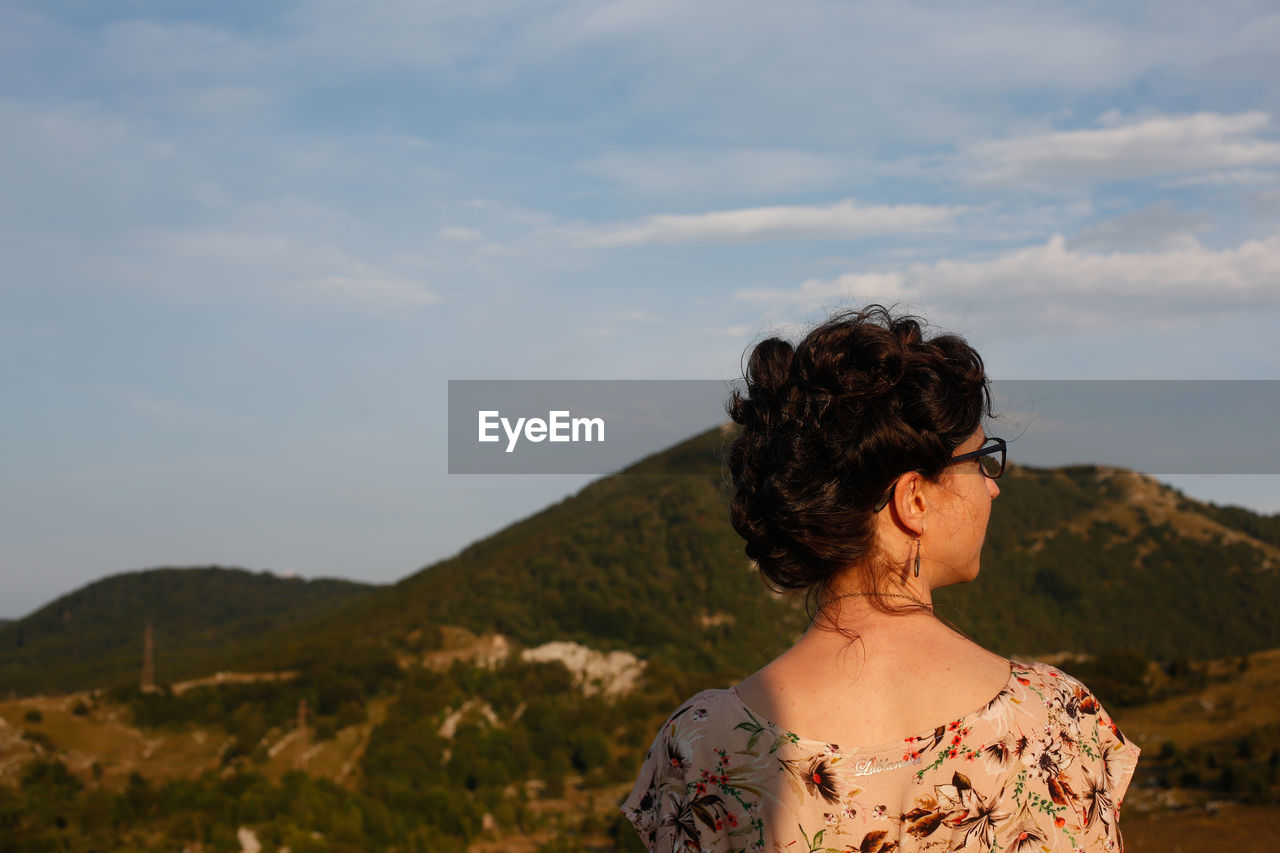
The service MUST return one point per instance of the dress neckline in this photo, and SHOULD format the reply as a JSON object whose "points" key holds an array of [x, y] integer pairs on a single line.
{"points": [[928, 735]]}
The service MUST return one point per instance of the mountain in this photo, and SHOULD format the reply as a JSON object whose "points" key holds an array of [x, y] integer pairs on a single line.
{"points": [[1095, 559], [391, 732], [1083, 559], [94, 636]]}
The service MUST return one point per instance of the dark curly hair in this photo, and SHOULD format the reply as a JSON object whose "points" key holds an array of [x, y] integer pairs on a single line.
{"points": [[828, 425]]}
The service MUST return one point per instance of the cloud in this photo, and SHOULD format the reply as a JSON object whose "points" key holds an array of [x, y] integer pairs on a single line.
{"points": [[847, 77], [173, 413], [843, 220], [612, 324], [458, 234], [371, 291], [158, 51], [1052, 286], [1160, 225], [1265, 204], [1153, 147], [850, 287], [876, 71], [270, 266], [1232, 178], [735, 171]]}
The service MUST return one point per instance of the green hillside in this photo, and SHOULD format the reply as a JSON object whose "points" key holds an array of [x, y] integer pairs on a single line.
{"points": [[94, 636], [1080, 559], [414, 743], [644, 562], [1089, 559]]}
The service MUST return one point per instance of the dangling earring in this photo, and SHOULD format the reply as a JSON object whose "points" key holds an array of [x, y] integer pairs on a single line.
{"points": [[917, 568]]}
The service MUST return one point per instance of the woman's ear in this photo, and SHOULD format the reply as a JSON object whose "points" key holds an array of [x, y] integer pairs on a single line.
{"points": [[911, 501]]}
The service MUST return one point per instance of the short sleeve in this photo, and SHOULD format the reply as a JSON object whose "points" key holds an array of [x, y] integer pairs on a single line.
{"points": [[679, 801], [1119, 756], [1073, 767], [1105, 779], [659, 806], [1099, 763], [641, 805]]}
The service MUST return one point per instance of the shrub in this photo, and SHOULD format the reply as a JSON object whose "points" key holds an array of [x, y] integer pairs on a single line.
{"points": [[590, 749]]}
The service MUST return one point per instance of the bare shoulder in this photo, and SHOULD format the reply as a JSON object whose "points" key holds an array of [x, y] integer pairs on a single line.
{"points": [[959, 674], [965, 660], [893, 687]]}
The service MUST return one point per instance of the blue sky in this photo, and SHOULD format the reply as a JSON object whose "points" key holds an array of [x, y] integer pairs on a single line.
{"points": [[246, 245]]}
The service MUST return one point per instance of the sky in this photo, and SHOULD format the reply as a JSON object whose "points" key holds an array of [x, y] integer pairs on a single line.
{"points": [[245, 246]]}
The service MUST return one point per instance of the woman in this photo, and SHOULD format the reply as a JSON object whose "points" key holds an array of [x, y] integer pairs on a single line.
{"points": [[864, 476]]}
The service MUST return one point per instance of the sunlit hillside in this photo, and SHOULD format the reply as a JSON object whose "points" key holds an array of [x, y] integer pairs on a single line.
{"points": [[502, 699]]}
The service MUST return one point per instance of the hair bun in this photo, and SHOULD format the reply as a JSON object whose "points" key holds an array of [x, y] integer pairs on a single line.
{"points": [[827, 425], [770, 386], [769, 369]]}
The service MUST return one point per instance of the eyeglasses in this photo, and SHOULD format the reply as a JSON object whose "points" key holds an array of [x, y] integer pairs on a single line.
{"points": [[990, 458]]}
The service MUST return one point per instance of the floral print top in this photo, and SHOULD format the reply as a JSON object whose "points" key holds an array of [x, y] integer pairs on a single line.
{"points": [[1041, 767]]}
